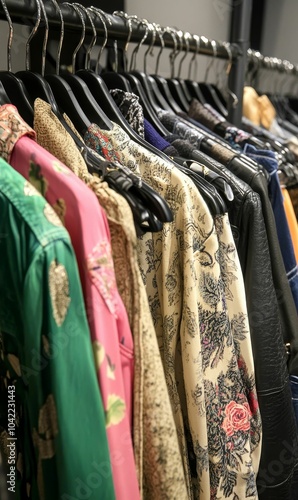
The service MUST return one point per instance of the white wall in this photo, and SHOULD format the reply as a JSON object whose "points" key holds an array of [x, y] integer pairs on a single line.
{"points": [[280, 39], [202, 17], [18, 46]]}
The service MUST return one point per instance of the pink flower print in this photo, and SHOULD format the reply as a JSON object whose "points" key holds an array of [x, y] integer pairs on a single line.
{"points": [[101, 268], [237, 418]]}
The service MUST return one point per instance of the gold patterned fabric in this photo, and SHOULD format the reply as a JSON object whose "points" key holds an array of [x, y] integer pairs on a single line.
{"points": [[156, 448], [53, 137]]}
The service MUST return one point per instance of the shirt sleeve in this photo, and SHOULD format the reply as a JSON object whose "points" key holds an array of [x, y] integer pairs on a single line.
{"points": [[66, 415]]}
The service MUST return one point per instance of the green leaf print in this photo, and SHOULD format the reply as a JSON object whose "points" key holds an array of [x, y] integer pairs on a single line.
{"points": [[115, 410]]}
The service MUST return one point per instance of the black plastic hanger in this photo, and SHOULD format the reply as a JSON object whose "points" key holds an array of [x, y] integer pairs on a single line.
{"points": [[13, 87], [209, 192], [118, 177], [193, 89], [142, 216], [150, 108], [212, 98], [79, 87], [158, 95], [206, 88], [123, 182], [87, 102], [115, 80], [161, 87], [165, 91], [173, 83], [4, 99], [139, 84], [198, 164], [148, 83]]}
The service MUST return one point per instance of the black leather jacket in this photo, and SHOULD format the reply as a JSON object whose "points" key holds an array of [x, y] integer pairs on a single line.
{"points": [[280, 446], [286, 305]]}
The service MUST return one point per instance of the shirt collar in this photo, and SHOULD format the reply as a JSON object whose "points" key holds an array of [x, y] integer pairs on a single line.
{"points": [[12, 128]]}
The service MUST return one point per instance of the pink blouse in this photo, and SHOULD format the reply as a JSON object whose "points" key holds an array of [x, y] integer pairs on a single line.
{"points": [[86, 222]]}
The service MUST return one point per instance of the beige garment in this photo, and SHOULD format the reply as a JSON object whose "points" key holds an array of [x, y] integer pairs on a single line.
{"points": [[251, 108], [267, 111], [210, 381], [258, 109], [157, 456]]}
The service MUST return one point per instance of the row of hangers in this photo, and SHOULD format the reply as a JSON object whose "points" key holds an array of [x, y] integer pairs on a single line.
{"points": [[84, 96], [282, 94]]}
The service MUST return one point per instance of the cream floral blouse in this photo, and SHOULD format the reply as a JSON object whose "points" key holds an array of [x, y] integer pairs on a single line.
{"points": [[191, 273]]}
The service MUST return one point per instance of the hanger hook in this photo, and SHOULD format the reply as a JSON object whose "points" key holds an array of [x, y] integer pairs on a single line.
{"points": [[45, 39], [152, 28], [10, 34], [32, 34], [211, 62], [194, 57], [104, 19], [227, 47], [258, 58], [83, 34], [94, 38], [133, 59], [60, 44], [160, 33], [128, 20], [179, 38], [172, 56], [186, 37]]}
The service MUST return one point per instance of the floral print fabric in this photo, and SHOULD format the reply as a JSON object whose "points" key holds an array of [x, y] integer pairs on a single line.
{"points": [[156, 449], [209, 369], [156, 446]]}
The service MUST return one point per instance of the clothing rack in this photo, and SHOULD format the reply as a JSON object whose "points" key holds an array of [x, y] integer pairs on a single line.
{"points": [[259, 61], [22, 12], [25, 13]]}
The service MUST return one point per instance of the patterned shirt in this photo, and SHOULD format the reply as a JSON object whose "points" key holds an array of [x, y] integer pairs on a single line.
{"points": [[111, 336], [156, 449]]}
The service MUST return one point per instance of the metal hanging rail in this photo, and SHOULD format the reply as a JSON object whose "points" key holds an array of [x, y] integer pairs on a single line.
{"points": [[258, 61], [25, 13], [241, 21]]}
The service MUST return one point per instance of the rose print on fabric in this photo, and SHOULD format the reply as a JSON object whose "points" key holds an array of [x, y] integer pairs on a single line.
{"points": [[101, 268], [207, 363], [237, 418]]}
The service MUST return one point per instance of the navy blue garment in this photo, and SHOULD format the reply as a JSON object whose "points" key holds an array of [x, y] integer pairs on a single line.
{"points": [[267, 159], [156, 140]]}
